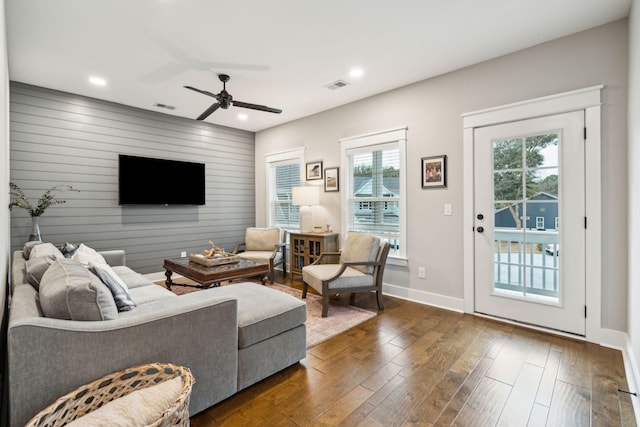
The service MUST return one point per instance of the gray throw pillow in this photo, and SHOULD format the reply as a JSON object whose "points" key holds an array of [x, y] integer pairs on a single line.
{"points": [[70, 291], [116, 285], [35, 268]]}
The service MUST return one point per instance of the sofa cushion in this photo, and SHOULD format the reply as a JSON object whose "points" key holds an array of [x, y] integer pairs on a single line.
{"points": [[360, 247], [35, 268], [115, 284], [261, 239], [70, 291], [130, 277], [145, 294], [263, 312], [44, 249], [85, 255]]}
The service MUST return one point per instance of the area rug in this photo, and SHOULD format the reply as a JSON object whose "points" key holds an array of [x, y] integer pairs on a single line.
{"points": [[340, 319]]}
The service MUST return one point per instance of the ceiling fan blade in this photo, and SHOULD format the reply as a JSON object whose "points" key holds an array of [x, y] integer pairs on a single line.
{"points": [[256, 107], [204, 92], [209, 111]]}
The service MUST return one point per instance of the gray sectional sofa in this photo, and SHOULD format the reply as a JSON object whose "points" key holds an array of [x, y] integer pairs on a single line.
{"points": [[230, 337]]}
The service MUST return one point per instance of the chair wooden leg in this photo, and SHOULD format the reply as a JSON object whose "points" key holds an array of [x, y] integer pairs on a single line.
{"points": [[379, 299], [352, 298], [325, 304], [304, 290]]}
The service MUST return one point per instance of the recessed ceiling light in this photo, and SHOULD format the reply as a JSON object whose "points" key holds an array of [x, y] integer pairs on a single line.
{"points": [[242, 116], [356, 72], [98, 81]]}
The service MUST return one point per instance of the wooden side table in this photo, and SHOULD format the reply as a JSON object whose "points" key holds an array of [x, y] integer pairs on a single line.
{"points": [[306, 248]]}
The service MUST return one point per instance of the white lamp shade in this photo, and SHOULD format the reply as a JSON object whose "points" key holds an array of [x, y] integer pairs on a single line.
{"points": [[305, 196]]}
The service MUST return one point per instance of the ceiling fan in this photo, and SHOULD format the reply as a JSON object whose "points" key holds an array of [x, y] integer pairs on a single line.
{"points": [[225, 100]]}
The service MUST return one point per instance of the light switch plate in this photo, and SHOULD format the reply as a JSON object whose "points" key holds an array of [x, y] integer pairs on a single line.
{"points": [[447, 209]]}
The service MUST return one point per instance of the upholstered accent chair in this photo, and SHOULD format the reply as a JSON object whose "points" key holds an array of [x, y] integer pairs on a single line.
{"points": [[360, 269], [264, 245]]}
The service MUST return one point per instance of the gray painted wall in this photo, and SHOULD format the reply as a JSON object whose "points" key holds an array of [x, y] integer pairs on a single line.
{"points": [[60, 138], [432, 111], [634, 186]]}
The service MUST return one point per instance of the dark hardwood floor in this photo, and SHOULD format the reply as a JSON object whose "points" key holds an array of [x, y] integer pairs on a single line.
{"points": [[415, 365]]}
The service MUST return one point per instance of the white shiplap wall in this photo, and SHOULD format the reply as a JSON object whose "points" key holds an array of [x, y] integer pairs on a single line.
{"points": [[61, 138]]}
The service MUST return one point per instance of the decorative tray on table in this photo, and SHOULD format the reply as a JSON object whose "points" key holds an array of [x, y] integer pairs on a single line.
{"points": [[210, 261]]}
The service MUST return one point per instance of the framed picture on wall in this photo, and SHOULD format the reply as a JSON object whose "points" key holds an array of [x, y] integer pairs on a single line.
{"points": [[434, 172], [314, 170], [331, 179]]}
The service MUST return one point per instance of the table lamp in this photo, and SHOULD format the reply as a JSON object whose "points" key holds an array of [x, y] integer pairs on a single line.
{"points": [[305, 197]]}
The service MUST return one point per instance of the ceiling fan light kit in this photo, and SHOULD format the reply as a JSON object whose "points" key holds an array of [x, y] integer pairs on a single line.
{"points": [[225, 100]]}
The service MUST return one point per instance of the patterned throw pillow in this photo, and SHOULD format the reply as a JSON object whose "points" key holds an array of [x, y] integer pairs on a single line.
{"points": [[68, 249], [115, 284]]}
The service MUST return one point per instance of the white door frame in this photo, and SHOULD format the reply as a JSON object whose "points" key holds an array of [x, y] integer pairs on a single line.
{"points": [[587, 99]]}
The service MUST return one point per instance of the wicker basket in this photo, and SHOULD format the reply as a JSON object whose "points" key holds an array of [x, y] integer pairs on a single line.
{"points": [[91, 396]]}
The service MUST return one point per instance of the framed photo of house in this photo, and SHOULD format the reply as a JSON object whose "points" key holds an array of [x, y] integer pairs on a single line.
{"points": [[314, 170], [434, 172], [331, 179]]}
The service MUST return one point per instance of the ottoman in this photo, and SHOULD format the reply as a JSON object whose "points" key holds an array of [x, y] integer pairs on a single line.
{"points": [[271, 330]]}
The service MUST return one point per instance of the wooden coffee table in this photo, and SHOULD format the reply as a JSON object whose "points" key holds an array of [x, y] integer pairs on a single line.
{"points": [[208, 277]]}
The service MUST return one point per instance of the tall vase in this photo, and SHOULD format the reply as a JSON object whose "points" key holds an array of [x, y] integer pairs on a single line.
{"points": [[35, 229]]}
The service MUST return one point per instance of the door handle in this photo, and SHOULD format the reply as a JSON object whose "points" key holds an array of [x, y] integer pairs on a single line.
{"points": [[480, 229]]}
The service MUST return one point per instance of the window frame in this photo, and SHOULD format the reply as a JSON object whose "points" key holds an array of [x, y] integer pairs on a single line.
{"points": [[373, 142]]}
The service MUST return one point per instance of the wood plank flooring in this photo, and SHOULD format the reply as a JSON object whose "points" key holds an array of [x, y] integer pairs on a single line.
{"points": [[415, 365]]}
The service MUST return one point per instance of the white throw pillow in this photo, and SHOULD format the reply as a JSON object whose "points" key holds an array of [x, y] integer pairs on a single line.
{"points": [[85, 255]]}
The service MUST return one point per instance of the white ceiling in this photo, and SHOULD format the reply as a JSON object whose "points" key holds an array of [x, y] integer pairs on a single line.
{"points": [[279, 53]]}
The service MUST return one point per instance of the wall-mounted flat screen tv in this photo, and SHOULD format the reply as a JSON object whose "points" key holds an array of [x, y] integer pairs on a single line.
{"points": [[150, 181]]}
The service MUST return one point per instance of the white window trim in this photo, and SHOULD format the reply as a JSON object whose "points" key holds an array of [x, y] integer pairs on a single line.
{"points": [[398, 135], [280, 156], [587, 100], [540, 222]]}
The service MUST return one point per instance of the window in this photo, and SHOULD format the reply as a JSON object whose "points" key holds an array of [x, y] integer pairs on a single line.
{"points": [[283, 173], [540, 222], [375, 188], [556, 223]]}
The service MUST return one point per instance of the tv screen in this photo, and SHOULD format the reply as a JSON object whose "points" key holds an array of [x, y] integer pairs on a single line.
{"points": [[149, 181]]}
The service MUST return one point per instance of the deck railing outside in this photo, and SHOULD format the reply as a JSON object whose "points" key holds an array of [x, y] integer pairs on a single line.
{"points": [[522, 264]]}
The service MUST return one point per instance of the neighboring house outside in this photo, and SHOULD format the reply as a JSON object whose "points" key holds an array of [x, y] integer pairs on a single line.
{"points": [[363, 188], [542, 213]]}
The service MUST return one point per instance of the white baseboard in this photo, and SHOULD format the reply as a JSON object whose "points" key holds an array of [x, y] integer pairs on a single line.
{"points": [[428, 298], [633, 377]]}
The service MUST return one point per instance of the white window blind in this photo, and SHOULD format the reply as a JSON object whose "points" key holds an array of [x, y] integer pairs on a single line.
{"points": [[283, 213], [283, 173]]}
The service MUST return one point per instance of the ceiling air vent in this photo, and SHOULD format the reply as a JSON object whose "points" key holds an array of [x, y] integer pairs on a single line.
{"points": [[168, 107], [337, 84]]}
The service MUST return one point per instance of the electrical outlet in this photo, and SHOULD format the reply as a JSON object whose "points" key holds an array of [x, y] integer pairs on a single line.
{"points": [[183, 254], [422, 273]]}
